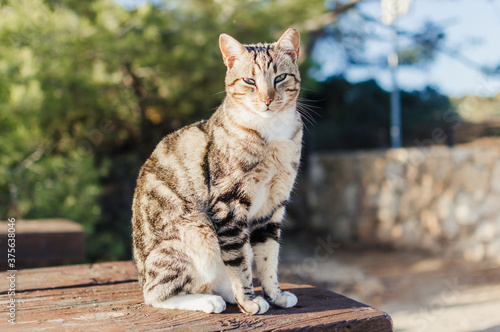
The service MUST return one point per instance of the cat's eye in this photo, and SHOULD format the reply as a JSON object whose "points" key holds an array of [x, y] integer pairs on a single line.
{"points": [[280, 78], [249, 81]]}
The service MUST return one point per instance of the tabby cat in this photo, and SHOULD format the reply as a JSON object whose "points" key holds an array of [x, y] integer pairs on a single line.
{"points": [[211, 197]]}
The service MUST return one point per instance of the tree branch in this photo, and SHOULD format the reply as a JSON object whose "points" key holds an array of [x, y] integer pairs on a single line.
{"points": [[319, 23], [315, 26], [467, 62], [142, 102]]}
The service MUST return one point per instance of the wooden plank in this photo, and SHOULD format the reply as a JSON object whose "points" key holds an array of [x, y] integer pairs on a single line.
{"points": [[73, 276], [107, 297], [45, 242]]}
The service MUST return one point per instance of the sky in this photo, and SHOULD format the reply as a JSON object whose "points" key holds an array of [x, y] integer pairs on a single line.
{"points": [[472, 27]]}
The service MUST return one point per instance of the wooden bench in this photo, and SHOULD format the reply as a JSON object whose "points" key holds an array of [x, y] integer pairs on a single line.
{"points": [[44, 242], [107, 296]]}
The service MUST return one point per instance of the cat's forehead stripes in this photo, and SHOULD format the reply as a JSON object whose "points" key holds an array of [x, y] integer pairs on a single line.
{"points": [[261, 56], [259, 48]]}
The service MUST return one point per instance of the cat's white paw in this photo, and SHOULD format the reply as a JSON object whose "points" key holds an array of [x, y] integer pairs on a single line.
{"points": [[286, 300], [263, 305], [198, 302], [257, 306], [213, 304]]}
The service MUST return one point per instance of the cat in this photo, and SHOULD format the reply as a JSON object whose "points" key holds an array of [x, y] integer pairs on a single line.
{"points": [[211, 197]]}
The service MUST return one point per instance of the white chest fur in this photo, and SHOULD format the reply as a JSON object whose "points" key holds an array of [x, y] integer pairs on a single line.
{"points": [[273, 178], [279, 127], [272, 181]]}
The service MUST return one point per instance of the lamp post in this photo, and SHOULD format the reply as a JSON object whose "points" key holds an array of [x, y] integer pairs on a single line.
{"points": [[391, 9], [393, 60]]}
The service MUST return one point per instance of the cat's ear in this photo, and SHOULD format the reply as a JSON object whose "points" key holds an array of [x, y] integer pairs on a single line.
{"points": [[230, 48], [289, 42]]}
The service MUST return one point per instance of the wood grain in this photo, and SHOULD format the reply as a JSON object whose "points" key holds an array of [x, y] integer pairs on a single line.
{"points": [[107, 297]]}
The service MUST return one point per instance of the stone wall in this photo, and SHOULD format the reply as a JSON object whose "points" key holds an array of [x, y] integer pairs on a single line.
{"points": [[440, 199]]}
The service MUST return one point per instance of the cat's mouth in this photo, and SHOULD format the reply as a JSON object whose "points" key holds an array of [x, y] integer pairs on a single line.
{"points": [[273, 108], [267, 112]]}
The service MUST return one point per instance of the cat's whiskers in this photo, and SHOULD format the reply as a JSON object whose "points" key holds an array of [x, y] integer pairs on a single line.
{"points": [[309, 108], [305, 111]]}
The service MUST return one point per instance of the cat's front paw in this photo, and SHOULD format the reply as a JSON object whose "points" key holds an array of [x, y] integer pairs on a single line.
{"points": [[257, 306], [213, 304], [285, 300]]}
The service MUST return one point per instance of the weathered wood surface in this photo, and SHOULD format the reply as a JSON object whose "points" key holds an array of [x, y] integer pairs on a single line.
{"points": [[107, 297], [44, 242]]}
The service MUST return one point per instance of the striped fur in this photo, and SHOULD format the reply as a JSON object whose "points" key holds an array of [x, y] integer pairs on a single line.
{"points": [[212, 195]]}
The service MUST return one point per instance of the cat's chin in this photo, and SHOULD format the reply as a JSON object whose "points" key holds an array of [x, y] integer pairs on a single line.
{"points": [[269, 113], [266, 114]]}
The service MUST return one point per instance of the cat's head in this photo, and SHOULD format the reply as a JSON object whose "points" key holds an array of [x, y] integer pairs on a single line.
{"points": [[264, 78]]}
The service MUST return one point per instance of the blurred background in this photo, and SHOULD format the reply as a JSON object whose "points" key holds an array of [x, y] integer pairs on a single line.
{"points": [[87, 89]]}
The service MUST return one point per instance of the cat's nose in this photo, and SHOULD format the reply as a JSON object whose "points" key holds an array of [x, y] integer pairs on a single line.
{"points": [[268, 101]]}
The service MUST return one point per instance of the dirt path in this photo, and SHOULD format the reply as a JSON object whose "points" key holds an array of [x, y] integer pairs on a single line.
{"points": [[419, 291]]}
